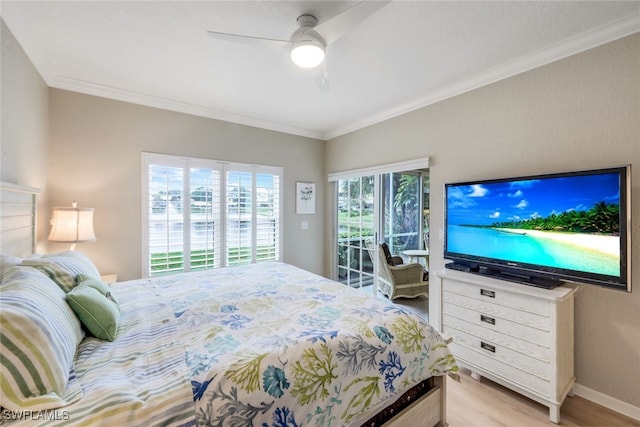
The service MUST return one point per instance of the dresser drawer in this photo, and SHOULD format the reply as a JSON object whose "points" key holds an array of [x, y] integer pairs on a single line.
{"points": [[501, 354], [521, 343], [491, 322], [496, 296], [473, 359], [498, 311]]}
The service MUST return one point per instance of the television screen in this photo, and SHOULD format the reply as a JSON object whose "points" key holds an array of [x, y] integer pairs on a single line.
{"points": [[568, 226]]}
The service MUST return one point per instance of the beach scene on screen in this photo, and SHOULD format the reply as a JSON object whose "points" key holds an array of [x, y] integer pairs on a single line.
{"points": [[570, 222]]}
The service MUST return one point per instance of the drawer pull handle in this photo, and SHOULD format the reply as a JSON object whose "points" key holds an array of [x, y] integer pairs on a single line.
{"points": [[486, 293], [487, 319], [489, 347]]}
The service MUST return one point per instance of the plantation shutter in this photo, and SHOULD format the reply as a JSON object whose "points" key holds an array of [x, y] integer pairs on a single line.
{"points": [[205, 218], [239, 214], [267, 217], [165, 218], [200, 214]]}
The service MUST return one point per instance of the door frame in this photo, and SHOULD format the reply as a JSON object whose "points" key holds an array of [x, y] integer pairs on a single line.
{"points": [[377, 171]]}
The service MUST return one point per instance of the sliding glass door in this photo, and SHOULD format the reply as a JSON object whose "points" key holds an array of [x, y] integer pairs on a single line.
{"points": [[382, 207], [355, 225], [400, 208]]}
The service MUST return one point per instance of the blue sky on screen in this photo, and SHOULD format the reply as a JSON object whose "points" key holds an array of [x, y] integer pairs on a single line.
{"points": [[488, 203]]}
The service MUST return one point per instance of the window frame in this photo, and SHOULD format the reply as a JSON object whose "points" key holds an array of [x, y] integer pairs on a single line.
{"points": [[188, 163]]}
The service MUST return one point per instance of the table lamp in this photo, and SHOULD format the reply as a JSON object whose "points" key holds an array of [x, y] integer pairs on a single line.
{"points": [[72, 225]]}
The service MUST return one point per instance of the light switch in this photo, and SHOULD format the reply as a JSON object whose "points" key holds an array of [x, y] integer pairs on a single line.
{"points": [[304, 225]]}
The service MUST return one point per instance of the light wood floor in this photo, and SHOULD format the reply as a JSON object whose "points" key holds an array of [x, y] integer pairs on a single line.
{"points": [[486, 404]]}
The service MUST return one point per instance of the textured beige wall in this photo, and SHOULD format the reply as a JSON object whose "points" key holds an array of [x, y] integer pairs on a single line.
{"points": [[24, 122], [95, 158], [578, 113]]}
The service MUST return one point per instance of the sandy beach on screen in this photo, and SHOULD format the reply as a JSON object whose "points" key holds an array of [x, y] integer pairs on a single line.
{"points": [[596, 242]]}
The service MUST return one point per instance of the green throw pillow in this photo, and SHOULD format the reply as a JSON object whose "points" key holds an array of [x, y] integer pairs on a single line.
{"points": [[98, 312], [99, 285]]}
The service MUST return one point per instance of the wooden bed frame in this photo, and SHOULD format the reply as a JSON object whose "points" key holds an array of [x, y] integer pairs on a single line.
{"points": [[18, 238], [17, 219], [427, 411]]}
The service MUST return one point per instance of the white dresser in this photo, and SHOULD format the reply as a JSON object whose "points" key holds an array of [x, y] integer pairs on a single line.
{"points": [[516, 335]]}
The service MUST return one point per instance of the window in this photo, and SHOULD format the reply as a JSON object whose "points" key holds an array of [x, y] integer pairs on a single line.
{"points": [[200, 214]]}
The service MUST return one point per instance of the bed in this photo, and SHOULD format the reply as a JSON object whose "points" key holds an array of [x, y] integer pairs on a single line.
{"points": [[264, 344]]}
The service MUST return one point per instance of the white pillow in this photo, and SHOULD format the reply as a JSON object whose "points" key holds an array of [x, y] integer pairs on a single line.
{"points": [[64, 267], [7, 261]]}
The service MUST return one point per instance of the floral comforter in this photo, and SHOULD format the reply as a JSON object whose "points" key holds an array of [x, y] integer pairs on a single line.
{"points": [[273, 345]]}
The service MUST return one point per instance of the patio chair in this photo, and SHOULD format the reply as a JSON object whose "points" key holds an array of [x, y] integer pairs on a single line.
{"points": [[398, 281], [391, 260], [397, 260]]}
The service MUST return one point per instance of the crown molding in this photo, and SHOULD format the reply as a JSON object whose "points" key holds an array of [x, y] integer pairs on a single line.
{"points": [[21, 31], [91, 88], [571, 46]]}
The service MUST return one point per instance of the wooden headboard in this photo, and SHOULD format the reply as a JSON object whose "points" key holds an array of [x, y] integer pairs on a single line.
{"points": [[17, 219]]}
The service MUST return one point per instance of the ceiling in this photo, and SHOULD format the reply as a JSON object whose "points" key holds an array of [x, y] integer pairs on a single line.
{"points": [[407, 55]]}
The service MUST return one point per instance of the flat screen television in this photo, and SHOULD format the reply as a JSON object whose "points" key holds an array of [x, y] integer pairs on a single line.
{"points": [[542, 230]]}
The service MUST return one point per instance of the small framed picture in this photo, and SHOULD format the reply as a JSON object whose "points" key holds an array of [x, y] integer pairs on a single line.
{"points": [[305, 198]]}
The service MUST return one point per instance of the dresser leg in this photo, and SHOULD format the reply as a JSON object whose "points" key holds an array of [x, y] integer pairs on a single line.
{"points": [[476, 376], [554, 414]]}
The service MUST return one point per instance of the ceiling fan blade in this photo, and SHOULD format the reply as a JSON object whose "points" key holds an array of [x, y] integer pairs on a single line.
{"points": [[322, 79], [245, 39], [337, 26]]}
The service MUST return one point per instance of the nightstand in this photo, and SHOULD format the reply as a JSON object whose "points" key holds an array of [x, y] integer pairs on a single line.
{"points": [[109, 278]]}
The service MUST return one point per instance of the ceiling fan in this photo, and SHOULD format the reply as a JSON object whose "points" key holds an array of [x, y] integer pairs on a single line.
{"points": [[309, 41]]}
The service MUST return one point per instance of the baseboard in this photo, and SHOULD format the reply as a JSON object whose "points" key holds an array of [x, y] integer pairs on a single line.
{"points": [[609, 402]]}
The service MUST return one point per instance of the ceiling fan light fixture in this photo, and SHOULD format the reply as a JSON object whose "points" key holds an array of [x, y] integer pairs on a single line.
{"points": [[307, 54]]}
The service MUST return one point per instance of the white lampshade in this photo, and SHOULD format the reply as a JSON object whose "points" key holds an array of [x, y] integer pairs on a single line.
{"points": [[72, 225], [307, 54]]}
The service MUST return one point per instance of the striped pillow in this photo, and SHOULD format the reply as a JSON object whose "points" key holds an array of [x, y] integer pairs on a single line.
{"points": [[63, 267], [39, 335]]}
